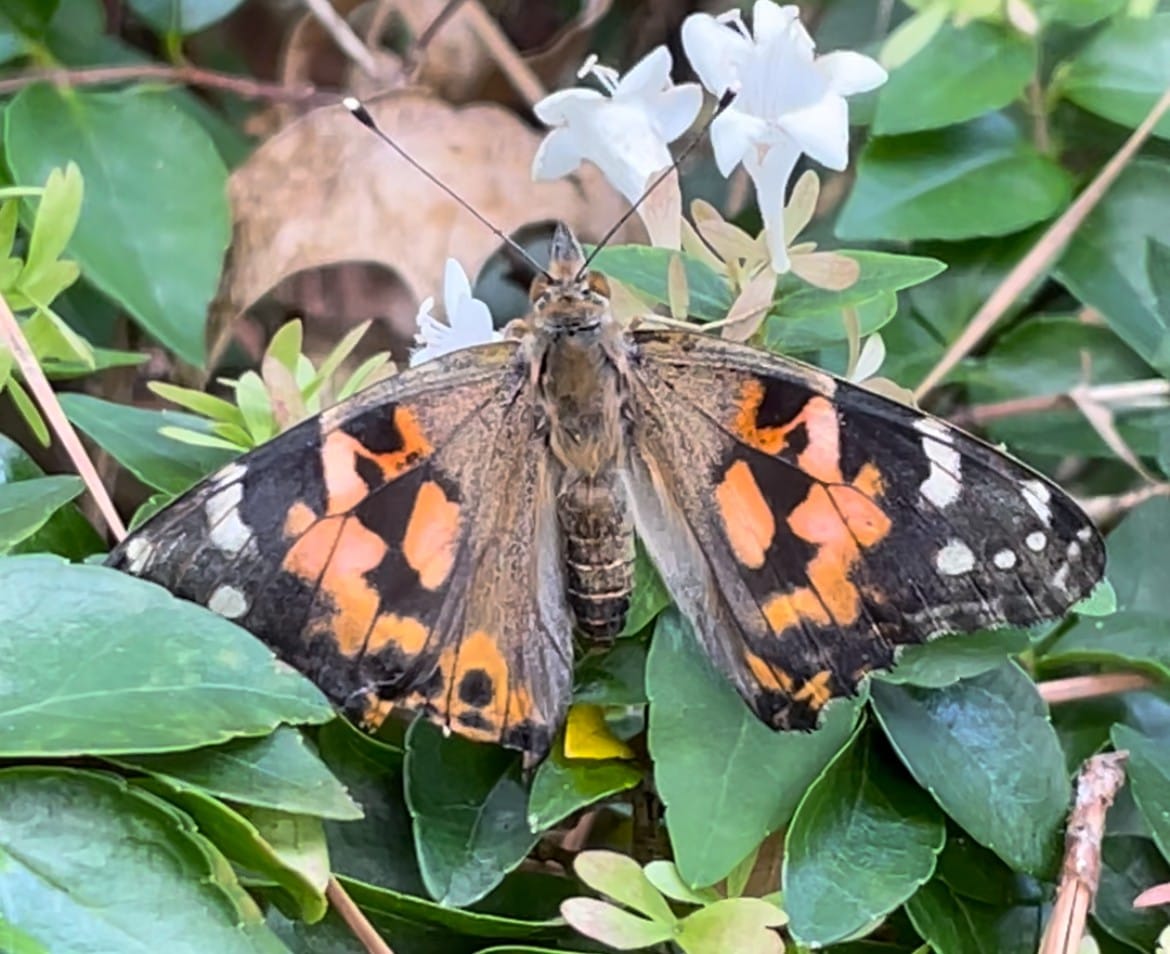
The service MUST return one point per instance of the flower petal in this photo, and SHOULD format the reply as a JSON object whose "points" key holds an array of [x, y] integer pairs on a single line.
{"points": [[565, 105], [770, 20], [471, 323], [557, 155], [623, 144], [822, 131], [716, 52], [771, 179], [651, 74], [733, 133], [673, 111], [849, 72], [456, 287]]}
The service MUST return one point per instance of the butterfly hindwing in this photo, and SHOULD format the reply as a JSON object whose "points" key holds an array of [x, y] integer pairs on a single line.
{"points": [[366, 548], [808, 527]]}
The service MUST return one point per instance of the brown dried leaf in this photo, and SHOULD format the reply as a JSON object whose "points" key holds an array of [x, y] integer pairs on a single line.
{"points": [[827, 270], [325, 191], [801, 206], [750, 309], [677, 293]]}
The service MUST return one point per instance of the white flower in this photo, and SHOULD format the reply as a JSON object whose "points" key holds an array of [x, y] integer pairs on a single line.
{"points": [[468, 320], [624, 131], [788, 100]]}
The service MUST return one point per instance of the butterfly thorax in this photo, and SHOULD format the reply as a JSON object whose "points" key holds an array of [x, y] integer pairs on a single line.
{"points": [[579, 356]]}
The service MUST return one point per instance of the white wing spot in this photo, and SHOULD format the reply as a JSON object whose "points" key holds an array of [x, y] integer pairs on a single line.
{"points": [[1004, 559], [138, 551], [228, 602], [1085, 534], [942, 486], [1039, 498], [1036, 541], [1060, 578], [954, 559], [228, 532], [932, 427], [1074, 550], [229, 475]]}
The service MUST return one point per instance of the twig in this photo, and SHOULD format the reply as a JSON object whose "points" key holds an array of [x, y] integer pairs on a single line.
{"points": [[1107, 508], [424, 39], [1075, 688], [1127, 394], [347, 41], [503, 53], [241, 86], [354, 919], [1043, 253], [38, 384], [1098, 783]]}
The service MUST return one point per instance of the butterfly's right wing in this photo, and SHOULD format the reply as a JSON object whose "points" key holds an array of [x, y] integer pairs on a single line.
{"points": [[400, 549]]}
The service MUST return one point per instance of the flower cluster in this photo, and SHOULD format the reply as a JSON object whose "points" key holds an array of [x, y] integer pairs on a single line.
{"points": [[785, 102]]}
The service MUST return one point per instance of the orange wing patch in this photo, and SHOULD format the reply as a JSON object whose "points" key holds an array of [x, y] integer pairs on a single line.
{"points": [[747, 519], [343, 457], [820, 458], [432, 536]]}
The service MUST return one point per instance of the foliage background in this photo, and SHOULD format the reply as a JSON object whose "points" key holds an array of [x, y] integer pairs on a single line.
{"points": [[166, 785]]}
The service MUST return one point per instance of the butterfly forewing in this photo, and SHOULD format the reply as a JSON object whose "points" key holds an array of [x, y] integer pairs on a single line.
{"points": [[368, 547], [808, 527]]}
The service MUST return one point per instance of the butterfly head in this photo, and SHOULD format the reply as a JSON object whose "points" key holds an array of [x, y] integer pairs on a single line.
{"points": [[569, 297]]}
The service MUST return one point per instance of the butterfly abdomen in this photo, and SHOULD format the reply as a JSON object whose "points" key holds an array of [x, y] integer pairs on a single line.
{"points": [[598, 533]]}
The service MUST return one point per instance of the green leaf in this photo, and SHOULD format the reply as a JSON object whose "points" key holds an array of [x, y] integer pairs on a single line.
{"points": [[1122, 71], [644, 269], [206, 405], [614, 678], [862, 841], [953, 924], [1148, 773], [83, 859], [28, 411], [947, 659], [742, 925], [66, 533], [154, 179], [979, 179], [1139, 632], [1107, 265], [27, 505], [183, 16], [132, 437], [727, 780], [44, 277], [274, 771], [562, 786], [1129, 865], [612, 926], [985, 749], [650, 596], [961, 74], [288, 850], [470, 813], [622, 879], [213, 681]]}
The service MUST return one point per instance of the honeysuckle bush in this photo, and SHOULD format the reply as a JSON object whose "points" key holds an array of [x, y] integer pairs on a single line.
{"points": [[167, 785]]}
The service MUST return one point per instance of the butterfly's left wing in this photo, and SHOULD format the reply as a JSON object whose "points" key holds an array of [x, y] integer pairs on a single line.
{"points": [[399, 549], [808, 527]]}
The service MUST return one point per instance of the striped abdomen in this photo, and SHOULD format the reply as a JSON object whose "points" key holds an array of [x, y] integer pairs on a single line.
{"points": [[598, 534]]}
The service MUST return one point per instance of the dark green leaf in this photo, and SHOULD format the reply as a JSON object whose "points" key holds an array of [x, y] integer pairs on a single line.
{"points": [[984, 748], [562, 786], [99, 662], [644, 269], [862, 841], [979, 179], [948, 659], [727, 779], [649, 597], [470, 813], [1139, 632], [802, 335], [962, 73], [614, 678], [952, 924], [1122, 71], [27, 505], [183, 16], [1148, 772], [1107, 263], [1129, 865], [131, 435], [274, 771], [93, 865], [66, 533], [153, 177]]}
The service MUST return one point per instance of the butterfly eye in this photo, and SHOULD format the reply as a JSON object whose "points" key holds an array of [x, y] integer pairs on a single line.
{"points": [[598, 284]]}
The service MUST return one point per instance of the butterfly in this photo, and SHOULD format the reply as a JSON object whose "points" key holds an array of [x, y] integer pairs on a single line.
{"points": [[432, 543]]}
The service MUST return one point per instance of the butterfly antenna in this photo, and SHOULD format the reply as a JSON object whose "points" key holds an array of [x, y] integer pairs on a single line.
{"points": [[362, 115], [724, 102]]}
